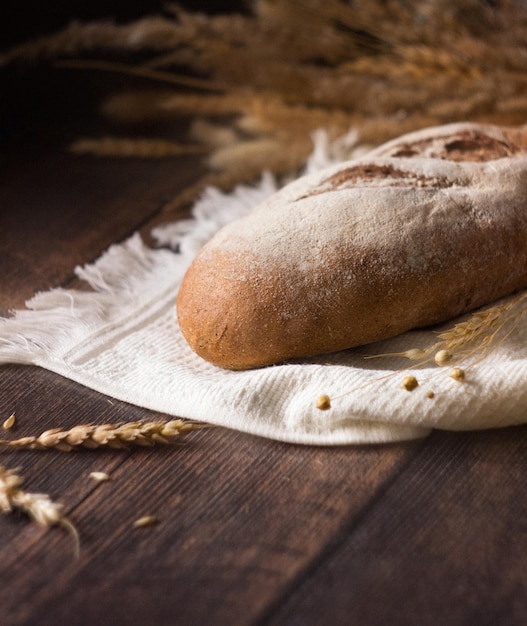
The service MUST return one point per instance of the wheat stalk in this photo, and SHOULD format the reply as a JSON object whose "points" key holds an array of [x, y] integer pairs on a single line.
{"points": [[116, 436], [481, 325], [133, 147], [479, 332], [475, 334], [38, 506], [474, 337]]}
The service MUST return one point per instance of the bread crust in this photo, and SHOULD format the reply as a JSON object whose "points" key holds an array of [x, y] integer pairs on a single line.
{"points": [[420, 230]]}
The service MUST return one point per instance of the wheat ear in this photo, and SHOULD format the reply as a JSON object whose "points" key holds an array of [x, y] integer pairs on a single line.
{"points": [[136, 148], [466, 338], [473, 337], [119, 436], [38, 506]]}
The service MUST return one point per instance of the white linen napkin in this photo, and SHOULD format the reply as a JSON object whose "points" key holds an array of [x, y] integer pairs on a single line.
{"points": [[120, 337]]}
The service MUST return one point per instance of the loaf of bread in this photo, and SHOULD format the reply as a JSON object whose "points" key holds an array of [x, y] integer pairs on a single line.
{"points": [[420, 230]]}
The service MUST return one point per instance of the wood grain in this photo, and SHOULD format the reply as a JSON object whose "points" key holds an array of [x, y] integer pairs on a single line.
{"points": [[445, 545], [239, 520]]}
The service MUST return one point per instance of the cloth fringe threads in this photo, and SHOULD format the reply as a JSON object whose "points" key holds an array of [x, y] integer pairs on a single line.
{"points": [[120, 337]]}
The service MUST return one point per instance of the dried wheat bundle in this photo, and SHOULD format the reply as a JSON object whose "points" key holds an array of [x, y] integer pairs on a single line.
{"points": [[116, 436], [284, 68], [38, 506]]}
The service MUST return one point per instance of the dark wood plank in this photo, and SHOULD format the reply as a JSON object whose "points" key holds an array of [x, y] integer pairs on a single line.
{"points": [[445, 545], [80, 212], [241, 519], [42, 400]]}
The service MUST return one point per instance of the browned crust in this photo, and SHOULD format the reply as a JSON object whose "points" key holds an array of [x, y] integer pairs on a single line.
{"points": [[250, 311]]}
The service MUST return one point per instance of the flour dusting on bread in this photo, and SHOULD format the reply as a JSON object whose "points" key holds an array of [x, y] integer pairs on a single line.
{"points": [[411, 234]]}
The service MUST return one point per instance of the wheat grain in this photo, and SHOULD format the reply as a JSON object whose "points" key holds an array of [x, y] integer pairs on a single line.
{"points": [[100, 477], [409, 383], [323, 402], [9, 422], [457, 374], [145, 521], [442, 357], [116, 436], [38, 506]]}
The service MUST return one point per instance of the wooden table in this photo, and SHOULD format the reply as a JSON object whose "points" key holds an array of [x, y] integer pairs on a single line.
{"points": [[250, 531]]}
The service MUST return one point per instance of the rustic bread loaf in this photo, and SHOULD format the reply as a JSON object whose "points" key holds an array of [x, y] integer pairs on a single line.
{"points": [[418, 231]]}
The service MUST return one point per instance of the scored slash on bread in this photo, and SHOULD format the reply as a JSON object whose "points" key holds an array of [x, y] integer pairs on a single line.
{"points": [[418, 231]]}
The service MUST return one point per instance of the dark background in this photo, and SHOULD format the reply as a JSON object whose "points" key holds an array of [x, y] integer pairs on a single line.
{"points": [[40, 104]]}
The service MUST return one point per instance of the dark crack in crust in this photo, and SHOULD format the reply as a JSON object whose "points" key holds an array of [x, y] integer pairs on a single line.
{"points": [[378, 175], [465, 146], [373, 174]]}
